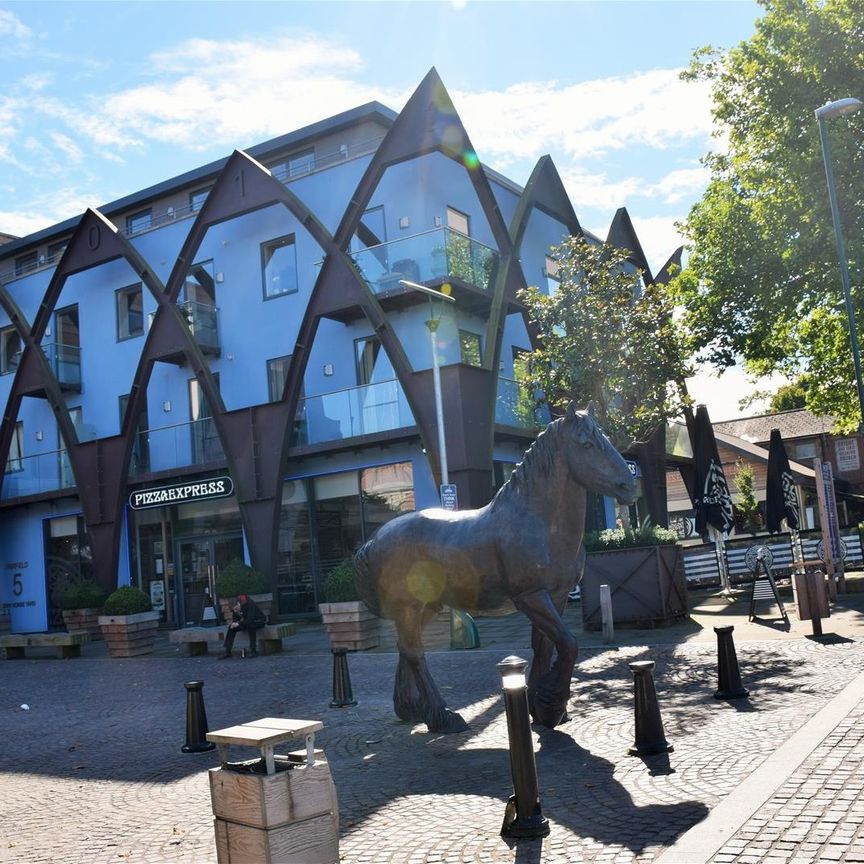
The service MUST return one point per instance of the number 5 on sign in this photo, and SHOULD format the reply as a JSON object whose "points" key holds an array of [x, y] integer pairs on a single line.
{"points": [[17, 585]]}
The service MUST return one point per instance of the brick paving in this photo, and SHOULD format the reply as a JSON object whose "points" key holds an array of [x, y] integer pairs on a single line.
{"points": [[93, 772]]}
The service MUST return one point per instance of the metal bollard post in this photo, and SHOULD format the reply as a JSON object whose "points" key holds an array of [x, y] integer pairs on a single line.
{"points": [[342, 695], [650, 737], [728, 674], [196, 720], [606, 614], [522, 816]]}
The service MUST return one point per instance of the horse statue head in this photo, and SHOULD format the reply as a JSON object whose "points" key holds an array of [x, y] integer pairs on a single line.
{"points": [[591, 458]]}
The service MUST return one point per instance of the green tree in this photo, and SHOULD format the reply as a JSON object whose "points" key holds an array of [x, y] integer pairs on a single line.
{"points": [[762, 282], [790, 396], [604, 338], [747, 507]]}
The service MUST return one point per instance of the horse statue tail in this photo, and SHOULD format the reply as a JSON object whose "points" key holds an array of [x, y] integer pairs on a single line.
{"points": [[364, 579]]}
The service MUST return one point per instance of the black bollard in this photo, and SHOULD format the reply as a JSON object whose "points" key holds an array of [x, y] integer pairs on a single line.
{"points": [[196, 720], [522, 815], [650, 738], [342, 695], [728, 675]]}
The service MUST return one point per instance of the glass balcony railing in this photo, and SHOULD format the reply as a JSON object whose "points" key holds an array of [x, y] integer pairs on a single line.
{"points": [[178, 446], [203, 321], [516, 405], [356, 411], [435, 255], [42, 472], [65, 363]]}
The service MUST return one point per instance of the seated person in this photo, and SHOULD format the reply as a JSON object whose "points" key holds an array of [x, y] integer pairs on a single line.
{"points": [[247, 616]]}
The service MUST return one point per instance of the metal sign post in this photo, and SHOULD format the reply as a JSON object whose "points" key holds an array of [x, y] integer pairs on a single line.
{"points": [[830, 524]]}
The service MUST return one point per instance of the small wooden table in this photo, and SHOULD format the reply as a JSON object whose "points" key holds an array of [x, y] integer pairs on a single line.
{"points": [[265, 734]]}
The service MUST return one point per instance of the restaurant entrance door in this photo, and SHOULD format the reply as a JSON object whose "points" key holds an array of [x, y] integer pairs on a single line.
{"points": [[199, 560]]}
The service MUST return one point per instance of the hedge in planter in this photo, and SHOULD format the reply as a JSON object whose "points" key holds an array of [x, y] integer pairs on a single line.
{"points": [[128, 624], [346, 618], [238, 578], [81, 602], [644, 570]]}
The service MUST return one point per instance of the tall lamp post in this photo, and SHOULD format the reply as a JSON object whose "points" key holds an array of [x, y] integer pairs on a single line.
{"points": [[826, 112], [432, 325]]}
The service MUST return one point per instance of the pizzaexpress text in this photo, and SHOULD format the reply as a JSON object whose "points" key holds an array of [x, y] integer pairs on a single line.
{"points": [[149, 497]]}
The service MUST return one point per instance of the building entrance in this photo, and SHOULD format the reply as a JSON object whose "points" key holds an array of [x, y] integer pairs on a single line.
{"points": [[199, 560]]}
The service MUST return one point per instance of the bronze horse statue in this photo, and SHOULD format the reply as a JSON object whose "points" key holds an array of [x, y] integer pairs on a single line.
{"points": [[522, 550]]}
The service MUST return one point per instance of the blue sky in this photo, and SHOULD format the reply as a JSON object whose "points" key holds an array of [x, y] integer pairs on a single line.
{"points": [[101, 99]]}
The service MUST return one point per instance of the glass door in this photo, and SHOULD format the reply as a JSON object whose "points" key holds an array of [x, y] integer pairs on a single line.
{"points": [[199, 560]]}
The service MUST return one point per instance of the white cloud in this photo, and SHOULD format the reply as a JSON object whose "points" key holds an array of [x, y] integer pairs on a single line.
{"points": [[12, 25], [681, 184], [721, 393], [44, 211], [67, 146]]}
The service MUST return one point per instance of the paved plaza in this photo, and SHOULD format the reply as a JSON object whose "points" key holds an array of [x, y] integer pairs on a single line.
{"points": [[91, 771]]}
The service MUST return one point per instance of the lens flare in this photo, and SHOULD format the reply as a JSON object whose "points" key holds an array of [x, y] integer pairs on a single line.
{"points": [[470, 160]]}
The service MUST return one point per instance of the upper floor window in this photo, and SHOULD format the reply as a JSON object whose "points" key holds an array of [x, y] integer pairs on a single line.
{"points": [[277, 375], [10, 350], [805, 450], [56, 250], [197, 199], [139, 221], [279, 266], [130, 312], [373, 364], [458, 221], [16, 450], [26, 263], [294, 166], [469, 348]]}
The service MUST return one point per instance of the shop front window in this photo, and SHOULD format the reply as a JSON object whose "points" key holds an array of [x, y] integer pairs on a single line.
{"points": [[67, 560]]}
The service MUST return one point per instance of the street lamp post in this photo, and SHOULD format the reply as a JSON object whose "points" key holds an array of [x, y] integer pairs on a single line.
{"points": [[826, 112], [432, 325]]}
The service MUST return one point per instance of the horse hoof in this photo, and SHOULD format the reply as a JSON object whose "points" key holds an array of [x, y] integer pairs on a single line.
{"points": [[549, 717], [446, 721]]}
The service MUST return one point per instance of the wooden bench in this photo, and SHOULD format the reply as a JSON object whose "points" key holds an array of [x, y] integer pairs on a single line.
{"points": [[198, 639], [67, 644]]}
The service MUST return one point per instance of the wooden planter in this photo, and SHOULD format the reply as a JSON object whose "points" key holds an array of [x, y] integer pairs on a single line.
{"points": [[647, 585], [129, 635], [350, 625], [83, 621]]}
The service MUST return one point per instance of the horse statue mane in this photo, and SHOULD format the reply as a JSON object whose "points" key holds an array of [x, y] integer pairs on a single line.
{"points": [[522, 550]]}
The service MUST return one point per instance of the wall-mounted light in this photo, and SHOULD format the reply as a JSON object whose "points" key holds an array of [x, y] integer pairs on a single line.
{"points": [[224, 242], [437, 221], [229, 356], [220, 277], [39, 435], [166, 406], [328, 369], [404, 222]]}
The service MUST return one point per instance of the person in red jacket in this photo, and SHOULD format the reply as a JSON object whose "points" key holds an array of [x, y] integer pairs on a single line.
{"points": [[247, 616]]}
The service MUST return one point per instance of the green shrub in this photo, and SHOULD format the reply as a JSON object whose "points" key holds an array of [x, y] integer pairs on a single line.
{"points": [[84, 594], [627, 538], [127, 601], [239, 578], [338, 585]]}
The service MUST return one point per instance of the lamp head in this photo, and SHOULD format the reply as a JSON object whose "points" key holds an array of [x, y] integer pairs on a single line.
{"points": [[512, 671], [838, 107]]}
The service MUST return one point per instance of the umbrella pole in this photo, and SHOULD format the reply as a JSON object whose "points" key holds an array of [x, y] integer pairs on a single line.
{"points": [[717, 537]]}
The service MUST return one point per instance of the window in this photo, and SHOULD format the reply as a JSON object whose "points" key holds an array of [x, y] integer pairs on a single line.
{"points": [[139, 221], [299, 163], [26, 263], [279, 267], [200, 284], [16, 450], [206, 446], [846, 451], [67, 349], [140, 459], [550, 271], [277, 374], [373, 364], [469, 348], [197, 199], [10, 350], [130, 312], [56, 250], [805, 450], [458, 221]]}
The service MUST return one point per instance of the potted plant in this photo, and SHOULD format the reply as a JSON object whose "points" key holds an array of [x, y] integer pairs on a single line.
{"points": [[81, 602], [237, 578], [644, 569], [128, 623], [346, 618]]}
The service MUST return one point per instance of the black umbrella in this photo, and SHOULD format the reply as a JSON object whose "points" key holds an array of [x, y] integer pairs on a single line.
{"points": [[781, 499], [711, 499]]}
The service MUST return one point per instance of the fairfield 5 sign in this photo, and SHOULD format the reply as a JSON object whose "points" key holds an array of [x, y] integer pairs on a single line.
{"points": [[200, 490]]}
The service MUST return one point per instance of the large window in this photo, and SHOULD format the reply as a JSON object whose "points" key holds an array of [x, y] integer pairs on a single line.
{"points": [[16, 450], [140, 461], [10, 350], [458, 221], [130, 312], [139, 221], [26, 263], [295, 166], [279, 267], [469, 348], [197, 199], [553, 278], [277, 374], [373, 364], [67, 559], [67, 357], [206, 446]]}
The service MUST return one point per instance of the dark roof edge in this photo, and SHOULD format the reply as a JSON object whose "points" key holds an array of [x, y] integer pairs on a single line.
{"points": [[327, 126]]}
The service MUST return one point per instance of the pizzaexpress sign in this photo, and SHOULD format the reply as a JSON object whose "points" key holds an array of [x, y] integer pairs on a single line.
{"points": [[199, 490]]}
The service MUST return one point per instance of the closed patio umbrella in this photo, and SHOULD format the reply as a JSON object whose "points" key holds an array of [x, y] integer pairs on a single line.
{"points": [[781, 498]]}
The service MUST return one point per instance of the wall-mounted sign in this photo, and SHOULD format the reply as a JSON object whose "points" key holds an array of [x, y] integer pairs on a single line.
{"points": [[633, 468], [449, 496], [181, 493]]}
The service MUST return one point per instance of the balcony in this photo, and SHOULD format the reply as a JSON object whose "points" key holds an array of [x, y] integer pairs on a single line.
{"points": [[431, 258], [37, 474], [65, 363], [203, 322], [516, 405], [178, 446], [365, 410]]}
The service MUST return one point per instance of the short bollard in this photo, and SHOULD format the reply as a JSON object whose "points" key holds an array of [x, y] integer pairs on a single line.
{"points": [[650, 737], [522, 816], [728, 675], [342, 695], [196, 720]]}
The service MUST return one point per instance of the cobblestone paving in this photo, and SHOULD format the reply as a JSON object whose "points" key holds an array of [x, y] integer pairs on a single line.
{"points": [[93, 773]]}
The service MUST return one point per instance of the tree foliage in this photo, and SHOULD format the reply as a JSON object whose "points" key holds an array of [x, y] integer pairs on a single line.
{"points": [[747, 508], [763, 281], [602, 339]]}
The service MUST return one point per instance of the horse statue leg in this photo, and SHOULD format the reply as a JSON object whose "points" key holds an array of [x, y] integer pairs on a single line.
{"points": [[548, 682], [415, 696]]}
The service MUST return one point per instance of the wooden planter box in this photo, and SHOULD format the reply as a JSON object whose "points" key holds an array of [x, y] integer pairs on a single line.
{"points": [[83, 621], [129, 635], [647, 585], [350, 625]]}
